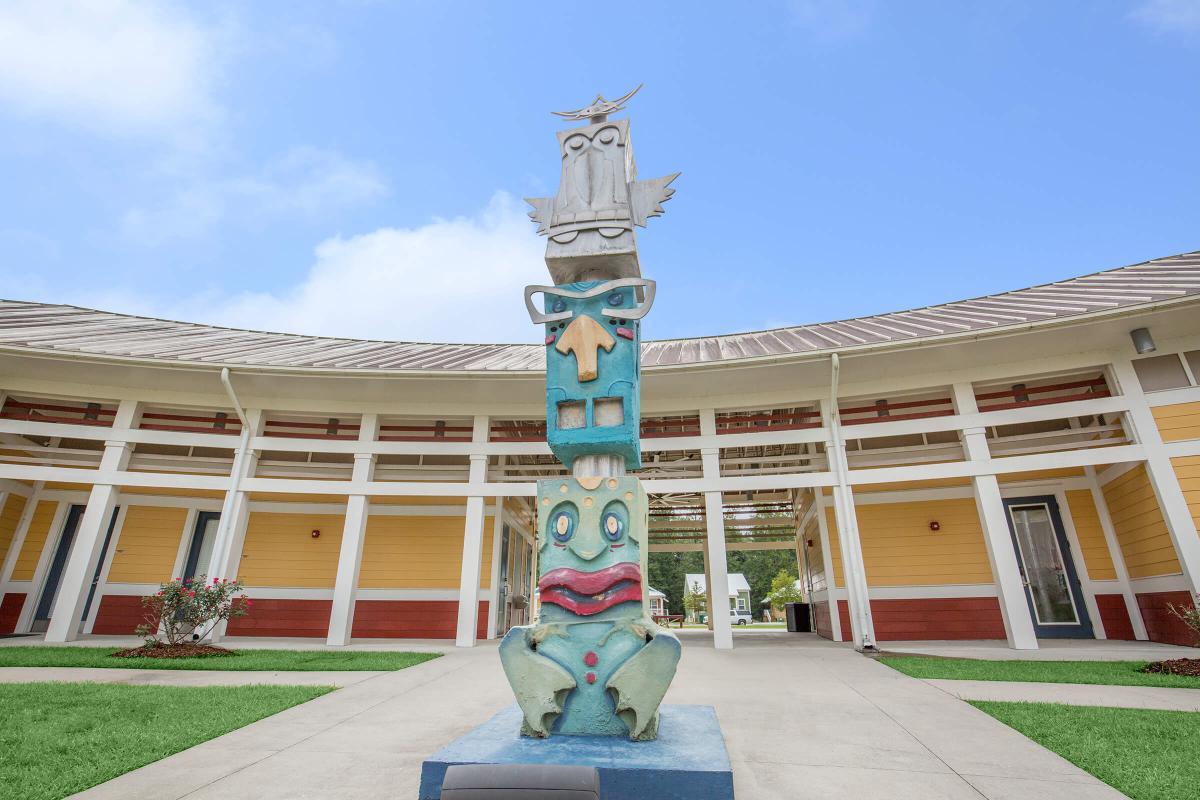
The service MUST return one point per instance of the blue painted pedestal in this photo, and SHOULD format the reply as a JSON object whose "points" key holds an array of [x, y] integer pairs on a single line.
{"points": [[686, 762]]}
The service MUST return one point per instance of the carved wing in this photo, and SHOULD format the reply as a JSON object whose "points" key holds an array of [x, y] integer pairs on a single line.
{"points": [[639, 685], [543, 211], [540, 684], [647, 197]]}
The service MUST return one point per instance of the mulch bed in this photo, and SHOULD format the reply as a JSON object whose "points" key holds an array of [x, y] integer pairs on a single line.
{"points": [[173, 651], [1175, 666]]}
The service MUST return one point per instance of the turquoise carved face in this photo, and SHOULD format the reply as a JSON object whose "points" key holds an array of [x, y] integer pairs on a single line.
{"points": [[592, 557], [593, 346]]}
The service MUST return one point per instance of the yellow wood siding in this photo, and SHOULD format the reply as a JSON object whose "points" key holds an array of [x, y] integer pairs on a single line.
{"points": [[1178, 422], [10, 515], [148, 544], [403, 552], [1141, 531], [35, 540], [280, 551], [900, 550], [1091, 535], [1187, 469]]}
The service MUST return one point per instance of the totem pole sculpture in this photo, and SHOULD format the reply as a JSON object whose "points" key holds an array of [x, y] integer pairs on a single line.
{"points": [[594, 663]]}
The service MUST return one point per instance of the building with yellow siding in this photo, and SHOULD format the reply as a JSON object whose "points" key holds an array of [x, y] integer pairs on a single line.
{"points": [[1021, 466]]}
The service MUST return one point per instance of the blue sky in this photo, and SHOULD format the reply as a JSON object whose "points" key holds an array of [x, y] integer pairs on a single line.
{"points": [[356, 168]]}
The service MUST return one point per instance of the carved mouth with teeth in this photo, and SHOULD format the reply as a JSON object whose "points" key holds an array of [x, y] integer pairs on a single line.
{"points": [[587, 593]]}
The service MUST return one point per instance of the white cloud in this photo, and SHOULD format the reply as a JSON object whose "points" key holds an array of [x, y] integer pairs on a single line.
{"points": [[112, 65], [452, 280], [1169, 16], [305, 182]]}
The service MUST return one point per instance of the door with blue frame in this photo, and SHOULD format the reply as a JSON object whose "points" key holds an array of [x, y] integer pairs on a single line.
{"points": [[1052, 587]]}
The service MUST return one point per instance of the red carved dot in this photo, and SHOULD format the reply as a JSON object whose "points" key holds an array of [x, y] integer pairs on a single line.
{"points": [[590, 677], [591, 659]]}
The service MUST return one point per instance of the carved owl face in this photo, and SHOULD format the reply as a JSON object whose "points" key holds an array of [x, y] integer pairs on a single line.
{"points": [[593, 343], [592, 547]]}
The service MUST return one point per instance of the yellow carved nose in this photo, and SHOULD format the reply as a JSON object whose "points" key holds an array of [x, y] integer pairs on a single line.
{"points": [[584, 336]]}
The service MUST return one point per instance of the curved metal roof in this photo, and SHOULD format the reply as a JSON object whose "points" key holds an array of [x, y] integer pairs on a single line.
{"points": [[74, 331]]}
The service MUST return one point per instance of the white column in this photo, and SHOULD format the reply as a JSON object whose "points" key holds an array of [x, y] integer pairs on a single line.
{"points": [[1081, 569], [835, 612], [354, 531], [235, 512], [1164, 481], [89, 537], [1118, 557], [472, 560], [854, 570], [714, 522], [494, 579], [1014, 607], [18, 540]]}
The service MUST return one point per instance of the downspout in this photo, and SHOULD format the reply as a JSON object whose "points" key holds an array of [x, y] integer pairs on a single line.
{"points": [[219, 564], [848, 528]]}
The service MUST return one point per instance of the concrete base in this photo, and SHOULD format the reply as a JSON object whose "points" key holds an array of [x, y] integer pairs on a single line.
{"points": [[686, 762]]}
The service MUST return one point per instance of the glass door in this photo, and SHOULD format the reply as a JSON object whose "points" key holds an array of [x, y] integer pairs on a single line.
{"points": [[204, 535], [1051, 586]]}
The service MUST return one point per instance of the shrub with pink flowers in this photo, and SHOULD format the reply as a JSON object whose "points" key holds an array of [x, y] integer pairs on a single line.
{"points": [[186, 610]]}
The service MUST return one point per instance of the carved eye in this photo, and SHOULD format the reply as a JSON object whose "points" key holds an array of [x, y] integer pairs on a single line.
{"points": [[576, 142], [608, 137], [558, 306], [615, 299], [562, 522], [613, 521]]}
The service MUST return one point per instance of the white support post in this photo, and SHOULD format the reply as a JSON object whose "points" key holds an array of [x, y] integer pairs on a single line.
{"points": [[1118, 557], [1171, 501], [18, 541], [226, 555], [1010, 587], [472, 560], [65, 619], [1080, 563], [493, 617], [854, 569], [835, 612], [354, 532], [714, 519]]}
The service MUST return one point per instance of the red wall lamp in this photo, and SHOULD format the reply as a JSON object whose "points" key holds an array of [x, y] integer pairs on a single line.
{"points": [[935, 526], [316, 534]]}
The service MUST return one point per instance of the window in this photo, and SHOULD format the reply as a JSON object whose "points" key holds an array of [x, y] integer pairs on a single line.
{"points": [[1172, 371], [571, 415]]}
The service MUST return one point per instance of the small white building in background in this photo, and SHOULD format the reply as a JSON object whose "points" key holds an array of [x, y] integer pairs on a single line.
{"points": [[658, 602], [738, 590]]}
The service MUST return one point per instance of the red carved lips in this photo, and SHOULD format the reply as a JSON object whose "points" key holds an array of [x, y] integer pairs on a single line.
{"points": [[586, 593]]}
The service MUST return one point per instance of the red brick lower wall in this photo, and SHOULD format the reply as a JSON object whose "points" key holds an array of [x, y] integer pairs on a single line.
{"points": [[932, 618], [1161, 624], [307, 618], [10, 609], [379, 619], [411, 619], [1115, 617], [821, 622], [119, 614]]}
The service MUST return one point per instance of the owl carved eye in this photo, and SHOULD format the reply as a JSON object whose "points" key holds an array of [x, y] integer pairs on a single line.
{"points": [[613, 521], [576, 142], [562, 522], [615, 299], [607, 136], [558, 306]]}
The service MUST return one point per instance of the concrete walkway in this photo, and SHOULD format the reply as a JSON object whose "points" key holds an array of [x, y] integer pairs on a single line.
{"points": [[1048, 650], [1073, 694], [802, 717], [177, 677]]}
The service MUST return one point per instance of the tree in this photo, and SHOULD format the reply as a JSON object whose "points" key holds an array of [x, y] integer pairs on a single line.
{"points": [[760, 567], [783, 590], [695, 602]]}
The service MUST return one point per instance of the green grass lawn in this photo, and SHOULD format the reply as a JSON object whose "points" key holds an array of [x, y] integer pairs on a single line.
{"points": [[1110, 673], [1148, 755], [244, 660], [61, 738]]}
